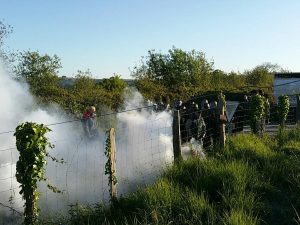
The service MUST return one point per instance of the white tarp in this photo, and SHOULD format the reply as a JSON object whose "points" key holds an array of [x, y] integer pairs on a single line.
{"points": [[231, 107]]}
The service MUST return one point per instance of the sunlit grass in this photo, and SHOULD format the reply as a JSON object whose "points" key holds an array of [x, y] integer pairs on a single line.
{"points": [[252, 181]]}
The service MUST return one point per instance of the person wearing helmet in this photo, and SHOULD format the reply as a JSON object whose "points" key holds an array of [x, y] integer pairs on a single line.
{"points": [[89, 122]]}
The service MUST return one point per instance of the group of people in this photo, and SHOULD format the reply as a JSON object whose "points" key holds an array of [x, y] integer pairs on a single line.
{"points": [[201, 123]]}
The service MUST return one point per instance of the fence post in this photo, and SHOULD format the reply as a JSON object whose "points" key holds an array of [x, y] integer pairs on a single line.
{"points": [[222, 125], [112, 136], [176, 136], [298, 109]]}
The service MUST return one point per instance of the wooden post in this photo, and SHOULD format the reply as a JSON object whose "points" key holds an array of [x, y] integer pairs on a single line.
{"points": [[222, 120], [298, 109], [222, 128], [113, 184], [176, 136]]}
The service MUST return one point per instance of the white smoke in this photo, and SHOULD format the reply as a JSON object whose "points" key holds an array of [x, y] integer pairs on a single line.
{"points": [[144, 147]]}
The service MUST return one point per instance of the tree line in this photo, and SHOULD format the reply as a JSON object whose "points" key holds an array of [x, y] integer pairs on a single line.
{"points": [[181, 74], [177, 74]]}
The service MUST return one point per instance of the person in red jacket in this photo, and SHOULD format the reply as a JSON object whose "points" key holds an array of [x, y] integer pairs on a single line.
{"points": [[89, 122]]}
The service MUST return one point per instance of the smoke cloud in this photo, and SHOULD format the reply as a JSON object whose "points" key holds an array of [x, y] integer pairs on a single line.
{"points": [[143, 139]]}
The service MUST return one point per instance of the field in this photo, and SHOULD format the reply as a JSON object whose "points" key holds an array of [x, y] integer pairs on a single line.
{"points": [[253, 181]]}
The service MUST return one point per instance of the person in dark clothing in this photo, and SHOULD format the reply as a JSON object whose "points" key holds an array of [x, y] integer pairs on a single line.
{"points": [[183, 118], [246, 105], [190, 117], [207, 116], [239, 119], [89, 122], [178, 105], [215, 121], [199, 127]]}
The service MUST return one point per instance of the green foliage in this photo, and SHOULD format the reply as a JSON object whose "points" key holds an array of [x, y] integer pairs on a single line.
{"points": [[248, 146], [259, 75], [257, 112], [114, 83], [180, 75], [5, 30], [116, 87], [174, 72], [31, 143], [85, 92], [8, 56], [255, 180], [239, 217], [39, 71], [262, 76], [283, 108]]}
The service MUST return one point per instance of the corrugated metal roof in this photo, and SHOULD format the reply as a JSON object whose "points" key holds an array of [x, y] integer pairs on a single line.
{"points": [[287, 75]]}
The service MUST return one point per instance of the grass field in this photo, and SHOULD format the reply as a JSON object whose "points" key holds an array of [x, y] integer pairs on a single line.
{"points": [[255, 180]]}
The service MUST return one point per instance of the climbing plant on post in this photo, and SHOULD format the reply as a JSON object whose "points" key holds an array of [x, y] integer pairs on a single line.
{"points": [[110, 166], [257, 112], [32, 144], [283, 109]]}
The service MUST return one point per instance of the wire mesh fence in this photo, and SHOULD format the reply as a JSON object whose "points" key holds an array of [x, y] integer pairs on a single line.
{"points": [[144, 148]]}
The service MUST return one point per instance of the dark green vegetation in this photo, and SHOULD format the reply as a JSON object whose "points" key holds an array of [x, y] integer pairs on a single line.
{"points": [[283, 108], [257, 109], [181, 74], [41, 73], [167, 77], [253, 181], [177, 74], [31, 143]]}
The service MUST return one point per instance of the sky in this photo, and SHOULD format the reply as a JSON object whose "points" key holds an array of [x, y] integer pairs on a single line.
{"points": [[111, 37]]}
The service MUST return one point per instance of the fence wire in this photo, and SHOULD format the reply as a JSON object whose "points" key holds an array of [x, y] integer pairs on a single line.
{"points": [[144, 148]]}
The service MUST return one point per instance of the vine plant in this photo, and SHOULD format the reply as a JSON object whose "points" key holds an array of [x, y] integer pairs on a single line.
{"points": [[32, 143], [257, 112], [108, 165], [283, 109]]}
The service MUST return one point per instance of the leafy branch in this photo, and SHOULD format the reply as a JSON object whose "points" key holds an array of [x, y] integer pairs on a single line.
{"points": [[283, 108], [257, 112], [32, 144]]}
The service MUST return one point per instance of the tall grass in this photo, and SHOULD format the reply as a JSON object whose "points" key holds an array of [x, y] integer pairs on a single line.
{"points": [[252, 181]]}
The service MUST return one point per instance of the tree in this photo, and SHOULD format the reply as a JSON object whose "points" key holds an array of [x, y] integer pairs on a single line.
{"points": [[262, 75], [178, 71], [114, 83], [7, 55], [38, 70], [116, 87], [84, 81], [5, 30]]}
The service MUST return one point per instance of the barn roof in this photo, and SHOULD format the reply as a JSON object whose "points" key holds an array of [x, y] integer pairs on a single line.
{"points": [[287, 75]]}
